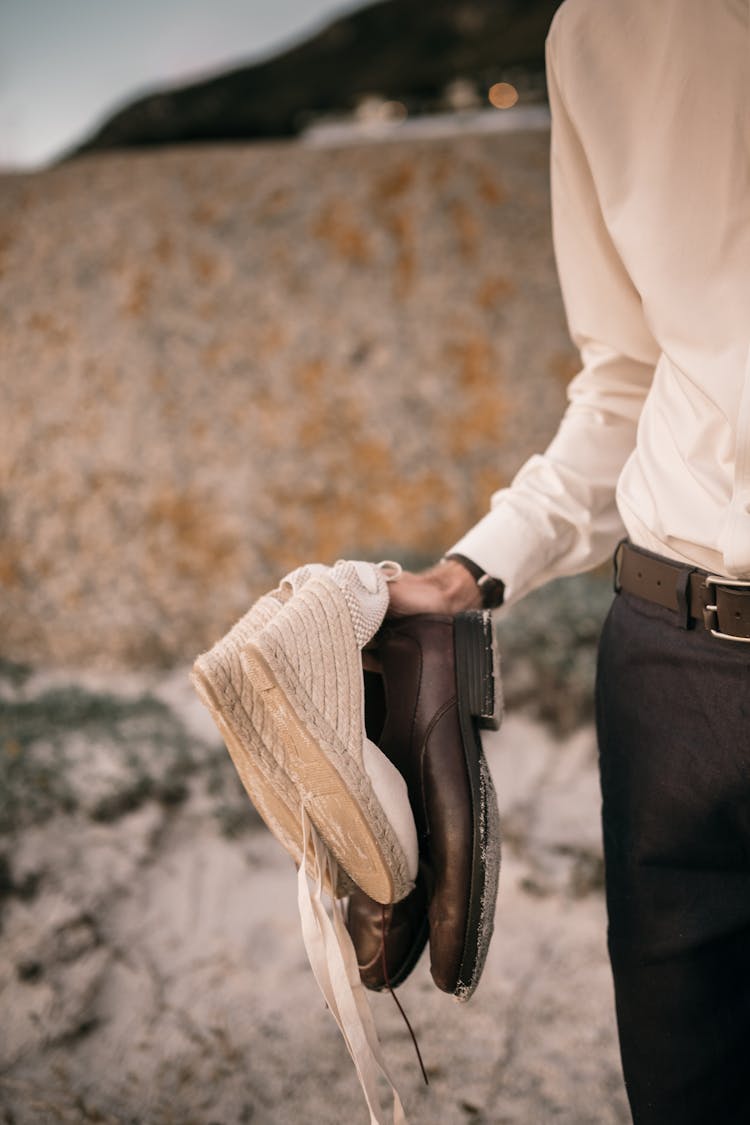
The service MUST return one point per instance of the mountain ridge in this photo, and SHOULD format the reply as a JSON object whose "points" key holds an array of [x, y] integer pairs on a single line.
{"points": [[398, 49]]}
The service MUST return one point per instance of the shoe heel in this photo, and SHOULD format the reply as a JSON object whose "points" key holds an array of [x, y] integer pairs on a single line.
{"points": [[478, 666]]}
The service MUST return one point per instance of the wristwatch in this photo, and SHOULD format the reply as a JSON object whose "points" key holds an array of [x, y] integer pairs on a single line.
{"points": [[491, 589]]}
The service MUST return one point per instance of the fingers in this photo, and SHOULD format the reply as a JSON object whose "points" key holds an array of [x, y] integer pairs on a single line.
{"points": [[411, 595], [445, 588]]}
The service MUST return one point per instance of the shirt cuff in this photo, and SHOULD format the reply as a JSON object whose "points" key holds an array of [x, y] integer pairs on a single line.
{"points": [[507, 546]]}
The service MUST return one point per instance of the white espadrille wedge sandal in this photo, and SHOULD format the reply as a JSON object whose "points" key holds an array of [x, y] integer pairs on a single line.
{"points": [[285, 687]]}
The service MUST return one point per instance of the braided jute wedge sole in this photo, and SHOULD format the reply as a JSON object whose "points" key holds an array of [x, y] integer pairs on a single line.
{"points": [[213, 681], [288, 700]]}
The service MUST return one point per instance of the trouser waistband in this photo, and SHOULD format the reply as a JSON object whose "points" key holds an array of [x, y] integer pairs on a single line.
{"points": [[713, 602]]}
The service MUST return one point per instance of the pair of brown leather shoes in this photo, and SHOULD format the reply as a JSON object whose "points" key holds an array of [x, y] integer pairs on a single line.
{"points": [[438, 683]]}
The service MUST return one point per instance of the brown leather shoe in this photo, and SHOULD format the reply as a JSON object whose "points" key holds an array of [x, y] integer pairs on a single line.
{"points": [[441, 682], [389, 940]]}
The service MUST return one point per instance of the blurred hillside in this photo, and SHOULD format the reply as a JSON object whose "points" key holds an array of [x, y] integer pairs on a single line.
{"points": [[219, 363], [216, 363], [402, 50]]}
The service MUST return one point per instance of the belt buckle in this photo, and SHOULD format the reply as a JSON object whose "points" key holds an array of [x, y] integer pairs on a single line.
{"points": [[711, 612]]}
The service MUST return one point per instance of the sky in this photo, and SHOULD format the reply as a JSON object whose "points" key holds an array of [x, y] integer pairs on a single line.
{"points": [[65, 65]]}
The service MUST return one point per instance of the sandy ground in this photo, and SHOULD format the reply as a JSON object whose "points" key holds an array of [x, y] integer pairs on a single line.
{"points": [[152, 969]]}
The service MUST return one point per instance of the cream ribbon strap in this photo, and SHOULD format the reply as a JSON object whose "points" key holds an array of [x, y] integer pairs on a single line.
{"points": [[334, 964]]}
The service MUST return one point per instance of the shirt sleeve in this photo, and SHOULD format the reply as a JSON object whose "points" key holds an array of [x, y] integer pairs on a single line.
{"points": [[559, 515]]}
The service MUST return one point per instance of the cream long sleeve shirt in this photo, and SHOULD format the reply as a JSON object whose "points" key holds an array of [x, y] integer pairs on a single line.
{"points": [[650, 165]]}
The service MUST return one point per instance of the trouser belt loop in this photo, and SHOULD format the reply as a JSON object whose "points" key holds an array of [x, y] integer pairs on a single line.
{"points": [[617, 563], [684, 617]]}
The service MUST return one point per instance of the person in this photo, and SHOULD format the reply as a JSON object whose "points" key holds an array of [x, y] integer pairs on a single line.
{"points": [[650, 181]]}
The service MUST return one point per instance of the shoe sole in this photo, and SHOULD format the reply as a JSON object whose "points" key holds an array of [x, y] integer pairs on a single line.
{"points": [[282, 819], [270, 798], [479, 705], [341, 820], [303, 765]]}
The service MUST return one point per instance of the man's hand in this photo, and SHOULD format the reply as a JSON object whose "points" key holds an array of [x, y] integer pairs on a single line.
{"points": [[445, 588]]}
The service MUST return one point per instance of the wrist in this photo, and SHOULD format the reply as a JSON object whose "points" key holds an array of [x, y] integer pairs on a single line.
{"points": [[458, 589], [491, 591]]}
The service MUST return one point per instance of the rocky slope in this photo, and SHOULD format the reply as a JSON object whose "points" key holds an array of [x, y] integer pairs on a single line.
{"points": [[219, 363]]}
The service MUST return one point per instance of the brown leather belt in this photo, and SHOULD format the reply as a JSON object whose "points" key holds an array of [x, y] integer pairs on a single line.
{"points": [[721, 605]]}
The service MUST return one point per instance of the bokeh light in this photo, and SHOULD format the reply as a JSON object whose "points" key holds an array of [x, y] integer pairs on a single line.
{"points": [[502, 95], [373, 110]]}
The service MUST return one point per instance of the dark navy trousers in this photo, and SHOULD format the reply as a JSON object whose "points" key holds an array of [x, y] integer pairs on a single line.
{"points": [[673, 723]]}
